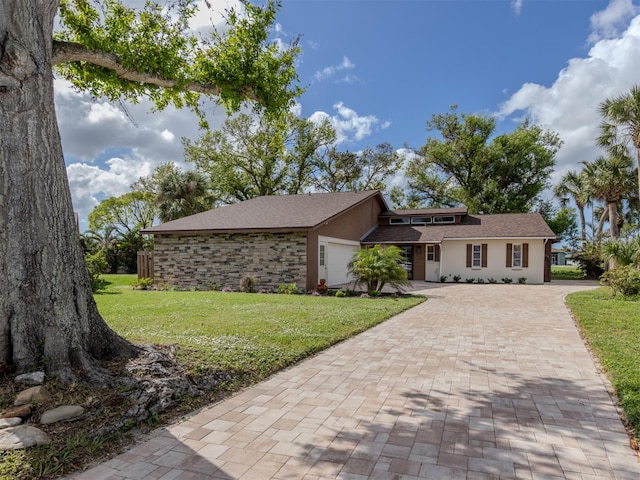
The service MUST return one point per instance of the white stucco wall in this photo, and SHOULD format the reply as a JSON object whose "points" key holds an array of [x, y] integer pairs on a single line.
{"points": [[453, 260]]}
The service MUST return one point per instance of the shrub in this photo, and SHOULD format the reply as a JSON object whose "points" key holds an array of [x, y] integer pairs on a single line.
{"points": [[623, 280], [288, 288], [507, 280], [590, 260], [376, 266], [96, 265], [443, 278], [522, 280], [469, 280], [213, 286], [341, 293], [247, 284], [480, 280], [457, 278], [143, 284], [623, 252], [492, 280]]}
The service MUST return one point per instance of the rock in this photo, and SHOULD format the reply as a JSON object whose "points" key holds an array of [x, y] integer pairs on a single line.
{"points": [[22, 411], [30, 379], [63, 412], [33, 394], [22, 436], [10, 422]]}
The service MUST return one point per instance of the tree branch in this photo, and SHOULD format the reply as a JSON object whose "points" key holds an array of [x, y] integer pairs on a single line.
{"points": [[64, 52]]}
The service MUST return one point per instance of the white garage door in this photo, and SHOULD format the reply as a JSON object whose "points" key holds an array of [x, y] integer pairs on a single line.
{"points": [[336, 256]]}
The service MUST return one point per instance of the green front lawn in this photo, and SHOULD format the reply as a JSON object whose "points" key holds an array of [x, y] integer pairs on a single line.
{"points": [[566, 272], [248, 335], [611, 326]]}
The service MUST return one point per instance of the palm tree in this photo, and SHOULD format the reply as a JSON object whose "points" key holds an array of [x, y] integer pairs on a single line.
{"points": [[181, 194], [611, 180], [621, 124], [623, 252], [377, 266], [96, 240], [573, 186]]}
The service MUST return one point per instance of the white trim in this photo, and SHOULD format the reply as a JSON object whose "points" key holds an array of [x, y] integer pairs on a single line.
{"points": [[322, 238], [515, 239], [513, 256], [473, 247]]}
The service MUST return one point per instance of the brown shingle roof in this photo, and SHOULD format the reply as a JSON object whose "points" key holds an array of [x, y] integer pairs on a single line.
{"points": [[270, 213], [507, 225]]}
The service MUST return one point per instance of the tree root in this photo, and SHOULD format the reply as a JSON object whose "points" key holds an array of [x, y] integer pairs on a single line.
{"points": [[156, 382]]}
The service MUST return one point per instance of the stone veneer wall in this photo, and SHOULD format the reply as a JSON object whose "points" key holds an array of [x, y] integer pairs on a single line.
{"points": [[202, 260]]}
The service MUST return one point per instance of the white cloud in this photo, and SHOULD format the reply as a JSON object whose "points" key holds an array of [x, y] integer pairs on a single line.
{"points": [[349, 79], [349, 125], [570, 105], [517, 6], [106, 152], [90, 183], [331, 70], [210, 14], [400, 178], [167, 135], [296, 109], [101, 112], [608, 23]]}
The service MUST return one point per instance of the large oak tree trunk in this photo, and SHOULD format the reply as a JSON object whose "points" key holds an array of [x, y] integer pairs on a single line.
{"points": [[48, 317]]}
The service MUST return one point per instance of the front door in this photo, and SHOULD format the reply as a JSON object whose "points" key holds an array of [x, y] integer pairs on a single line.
{"points": [[432, 263]]}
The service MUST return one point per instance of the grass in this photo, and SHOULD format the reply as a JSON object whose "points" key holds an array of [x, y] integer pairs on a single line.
{"points": [[566, 272], [249, 336], [611, 326]]}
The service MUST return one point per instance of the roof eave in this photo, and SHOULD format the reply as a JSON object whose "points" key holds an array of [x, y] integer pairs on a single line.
{"points": [[508, 237], [227, 230]]}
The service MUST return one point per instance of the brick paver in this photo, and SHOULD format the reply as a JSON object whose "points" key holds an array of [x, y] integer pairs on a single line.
{"points": [[480, 381]]}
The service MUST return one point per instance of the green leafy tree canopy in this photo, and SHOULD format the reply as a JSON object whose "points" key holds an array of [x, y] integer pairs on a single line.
{"points": [[181, 194], [621, 125], [112, 50], [467, 164], [254, 156]]}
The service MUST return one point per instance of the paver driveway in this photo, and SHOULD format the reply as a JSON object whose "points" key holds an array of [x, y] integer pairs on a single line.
{"points": [[480, 381]]}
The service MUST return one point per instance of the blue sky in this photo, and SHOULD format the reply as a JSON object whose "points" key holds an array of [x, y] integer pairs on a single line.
{"points": [[403, 61], [378, 69]]}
